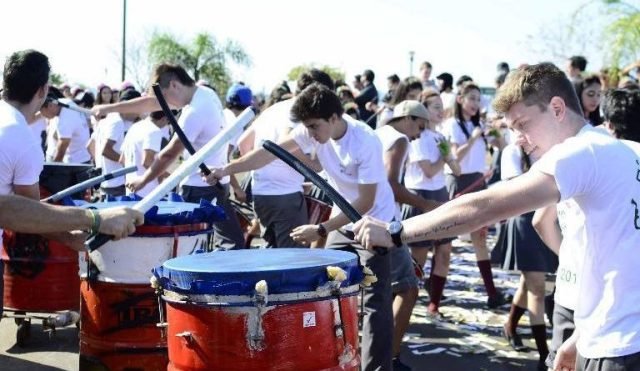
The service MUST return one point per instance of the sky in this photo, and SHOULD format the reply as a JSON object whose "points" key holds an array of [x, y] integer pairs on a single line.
{"points": [[83, 37]]}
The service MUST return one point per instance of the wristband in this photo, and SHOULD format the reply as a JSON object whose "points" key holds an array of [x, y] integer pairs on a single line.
{"points": [[95, 221]]}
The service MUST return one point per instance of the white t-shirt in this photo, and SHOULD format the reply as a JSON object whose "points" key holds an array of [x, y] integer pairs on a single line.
{"points": [[602, 175], [144, 135], [74, 126], [511, 162], [425, 148], [572, 250], [21, 159], [385, 116], [389, 136], [52, 139], [113, 127], [201, 120], [276, 178], [474, 160], [38, 127], [230, 118], [354, 159]]}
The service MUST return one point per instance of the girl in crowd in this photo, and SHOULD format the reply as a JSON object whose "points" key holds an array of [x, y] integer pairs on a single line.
{"points": [[520, 248], [425, 177], [408, 89], [589, 91], [469, 144]]}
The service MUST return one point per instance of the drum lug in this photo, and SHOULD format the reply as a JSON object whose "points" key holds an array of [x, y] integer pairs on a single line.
{"points": [[187, 338]]}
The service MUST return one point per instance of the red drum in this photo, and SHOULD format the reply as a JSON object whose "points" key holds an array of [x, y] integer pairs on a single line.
{"points": [[317, 210], [262, 310], [40, 275], [119, 310]]}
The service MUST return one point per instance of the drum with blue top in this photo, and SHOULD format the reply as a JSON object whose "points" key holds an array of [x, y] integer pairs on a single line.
{"points": [[119, 310], [276, 309]]}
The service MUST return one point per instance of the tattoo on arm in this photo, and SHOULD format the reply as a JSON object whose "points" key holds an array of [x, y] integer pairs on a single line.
{"points": [[428, 235]]}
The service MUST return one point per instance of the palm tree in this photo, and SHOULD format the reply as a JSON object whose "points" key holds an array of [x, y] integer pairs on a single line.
{"points": [[204, 57]]}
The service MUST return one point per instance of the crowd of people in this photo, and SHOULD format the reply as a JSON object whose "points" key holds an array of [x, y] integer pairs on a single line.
{"points": [[549, 164]]}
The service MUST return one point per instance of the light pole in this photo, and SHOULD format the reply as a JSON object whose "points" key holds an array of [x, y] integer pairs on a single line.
{"points": [[411, 55], [124, 37]]}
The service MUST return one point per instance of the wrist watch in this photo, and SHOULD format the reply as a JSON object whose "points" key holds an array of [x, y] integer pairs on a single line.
{"points": [[322, 231], [395, 230]]}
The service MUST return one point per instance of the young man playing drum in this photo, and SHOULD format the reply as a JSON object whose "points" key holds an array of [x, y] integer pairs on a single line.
{"points": [[351, 154], [600, 173], [201, 120]]}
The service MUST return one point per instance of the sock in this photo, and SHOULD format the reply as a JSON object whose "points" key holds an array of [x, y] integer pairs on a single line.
{"points": [[487, 277], [514, 317], [435, 294], [540, 336]]}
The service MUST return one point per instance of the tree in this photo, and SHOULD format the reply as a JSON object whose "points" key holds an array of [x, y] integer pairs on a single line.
{"points": [[335, 73], [204, 57], [57, 79], [622, 35]]}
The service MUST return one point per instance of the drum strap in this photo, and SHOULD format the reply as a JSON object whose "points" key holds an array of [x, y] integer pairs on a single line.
{"points": [[338, 324], [174, 251]]}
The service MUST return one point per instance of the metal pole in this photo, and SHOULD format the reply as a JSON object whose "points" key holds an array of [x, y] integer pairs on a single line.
{"points": [[411, 54], [124, 37]]}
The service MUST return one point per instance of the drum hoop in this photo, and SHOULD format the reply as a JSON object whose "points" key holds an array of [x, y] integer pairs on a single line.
{"points": [[170, 230], [248, 300]]}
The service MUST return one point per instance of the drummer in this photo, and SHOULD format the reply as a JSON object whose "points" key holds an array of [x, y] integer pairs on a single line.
{"points": [[351, 154]]}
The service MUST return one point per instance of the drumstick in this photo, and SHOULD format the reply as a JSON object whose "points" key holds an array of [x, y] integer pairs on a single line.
{"points": [[316, 179], [73, 107], [88, 183], [183, 170]]}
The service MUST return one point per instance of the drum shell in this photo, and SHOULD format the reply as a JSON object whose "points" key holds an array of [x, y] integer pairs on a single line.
{"points": [[317, 210], [218, 337]]}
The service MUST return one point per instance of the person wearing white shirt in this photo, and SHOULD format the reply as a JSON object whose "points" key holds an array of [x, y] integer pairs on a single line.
{"points": [[141, 145], [600, 173], [351, 155], [24, 90], [201, 120], [109, 141], [469, 144], [71, 130]]}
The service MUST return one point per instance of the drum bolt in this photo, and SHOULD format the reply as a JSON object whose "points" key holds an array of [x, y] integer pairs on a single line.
{"points": [[187, 338]]}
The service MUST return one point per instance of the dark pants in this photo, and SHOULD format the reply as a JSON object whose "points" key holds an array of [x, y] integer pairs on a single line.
{"points": [[563, 327], [114, 191], [377, 327], [227, 233], [630, 362], [279, 215]]}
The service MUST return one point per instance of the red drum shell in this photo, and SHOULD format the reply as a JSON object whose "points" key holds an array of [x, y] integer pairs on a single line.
{"points": [[317, 210]]}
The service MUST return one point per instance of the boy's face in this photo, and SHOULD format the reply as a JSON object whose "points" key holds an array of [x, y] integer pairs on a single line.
{"points": [[535, 130], [320, 129]]}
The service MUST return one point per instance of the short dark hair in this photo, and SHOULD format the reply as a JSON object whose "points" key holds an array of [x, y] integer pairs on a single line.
{"points": [[369, 75], [24, 73], [503, 66], [314, 75], [535, 85], [579, 62], [317, 101], [425, 64], [447, 81], [462, 80], [621, 107], [393, 79], [165, 73]]}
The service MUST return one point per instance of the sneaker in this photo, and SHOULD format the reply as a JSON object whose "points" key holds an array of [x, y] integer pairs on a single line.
{"points": [[399, 366], [515, 341], [499, 300]]}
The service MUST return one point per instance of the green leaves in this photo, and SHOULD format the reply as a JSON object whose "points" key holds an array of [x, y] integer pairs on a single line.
{"points": [[203, 57]]}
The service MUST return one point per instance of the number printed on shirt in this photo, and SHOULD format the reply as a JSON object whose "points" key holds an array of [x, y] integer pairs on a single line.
{"points": [[567, 276]]}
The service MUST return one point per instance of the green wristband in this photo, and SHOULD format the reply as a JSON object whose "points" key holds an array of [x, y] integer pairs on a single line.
{"points": [[95, 221]]}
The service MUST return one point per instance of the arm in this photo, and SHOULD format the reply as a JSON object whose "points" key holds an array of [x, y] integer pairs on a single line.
{"points": [[545, 222], [149, 157], [138, 105], [61, 149], [255, 159], [468, 212], [109, 152], [462, 150], [245, 143], [30, 191], [393, 163], [165, 158]]}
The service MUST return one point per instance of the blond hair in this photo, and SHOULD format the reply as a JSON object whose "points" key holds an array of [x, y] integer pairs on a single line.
{"points": [[536, 85]]}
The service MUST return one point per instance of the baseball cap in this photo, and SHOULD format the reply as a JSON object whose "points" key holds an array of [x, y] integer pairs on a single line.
{"points": [[410, 108], [239, 95]]}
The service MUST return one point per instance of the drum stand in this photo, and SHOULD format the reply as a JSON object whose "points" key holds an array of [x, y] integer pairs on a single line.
{"points": [[49, 323]]}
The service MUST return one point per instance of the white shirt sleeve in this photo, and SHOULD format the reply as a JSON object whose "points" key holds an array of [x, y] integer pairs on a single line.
{"points": [[370, 165], [190, 124], [28, 167], [456, 135], [573, 166], [511, 162], [67, 123], [152, 141], [302, 138]]}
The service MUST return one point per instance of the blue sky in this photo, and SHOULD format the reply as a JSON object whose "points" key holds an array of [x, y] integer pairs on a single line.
{"points": [[83, 37]]}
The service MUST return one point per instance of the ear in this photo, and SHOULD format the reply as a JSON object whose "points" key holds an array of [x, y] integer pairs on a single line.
{"points": [[558, 108], [42, 91], [459, 99]]}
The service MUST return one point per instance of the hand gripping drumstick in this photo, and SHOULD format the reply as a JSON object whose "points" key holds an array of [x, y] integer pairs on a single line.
{"points": [[183, 170], [316, 179], [89, 183]]}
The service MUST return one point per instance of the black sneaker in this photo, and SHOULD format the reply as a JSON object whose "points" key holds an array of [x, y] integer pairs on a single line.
{"points": [[499, 300], [515, 341], [399, 366]]}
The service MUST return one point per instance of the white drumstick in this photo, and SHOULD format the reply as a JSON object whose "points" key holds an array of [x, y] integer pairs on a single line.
{"points": [[73, 107]]}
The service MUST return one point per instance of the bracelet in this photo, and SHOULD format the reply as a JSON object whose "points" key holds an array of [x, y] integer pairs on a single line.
{"points": [[95, 221]]}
